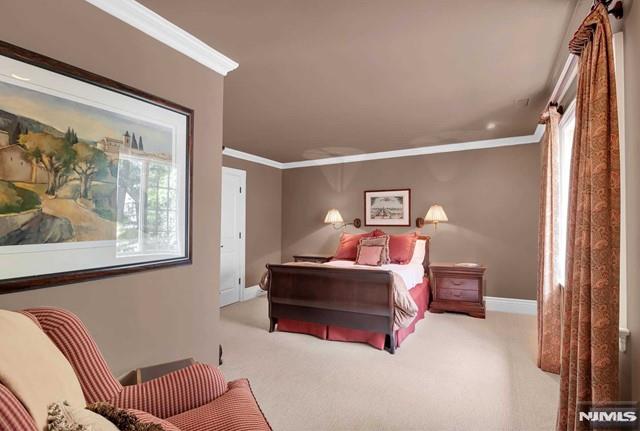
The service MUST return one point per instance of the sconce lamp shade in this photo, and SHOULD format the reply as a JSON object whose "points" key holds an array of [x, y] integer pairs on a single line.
{"points": [[436, 214], [333, 217]]}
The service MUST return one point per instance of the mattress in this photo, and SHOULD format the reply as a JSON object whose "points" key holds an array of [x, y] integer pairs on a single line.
{"points": [[411, 273]]}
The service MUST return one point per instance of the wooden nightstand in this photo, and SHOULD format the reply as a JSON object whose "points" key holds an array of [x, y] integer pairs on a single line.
{"points": [[457, 288], [315, 258]]}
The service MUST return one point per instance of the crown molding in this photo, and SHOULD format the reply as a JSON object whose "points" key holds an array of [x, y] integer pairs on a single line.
{"points": [[420, 151], [252, 158], [410, 152], [566, 78], [159, 28]]}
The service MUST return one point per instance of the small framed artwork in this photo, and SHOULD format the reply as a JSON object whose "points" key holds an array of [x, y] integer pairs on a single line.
{"points": [[95, 176], [387, 207]]}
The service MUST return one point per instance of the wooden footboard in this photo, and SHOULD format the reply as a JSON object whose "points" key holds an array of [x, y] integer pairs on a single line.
{"points": [[346, 297]]}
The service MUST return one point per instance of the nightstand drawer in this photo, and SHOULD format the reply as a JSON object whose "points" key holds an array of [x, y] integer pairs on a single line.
{"points": [[457, 283], [457, 294]]}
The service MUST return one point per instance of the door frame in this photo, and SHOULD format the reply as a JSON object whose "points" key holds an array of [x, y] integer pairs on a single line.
{"points": [[242, 175]]}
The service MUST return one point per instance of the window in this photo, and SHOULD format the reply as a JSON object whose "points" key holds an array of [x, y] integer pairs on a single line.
{"points": [[567, 128], [161, 213], [147, 207]]}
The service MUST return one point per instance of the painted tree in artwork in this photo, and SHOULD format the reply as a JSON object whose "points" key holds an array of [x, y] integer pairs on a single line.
{"points": [[70, 139], [70, 136], [88, 162], [53, 154]]}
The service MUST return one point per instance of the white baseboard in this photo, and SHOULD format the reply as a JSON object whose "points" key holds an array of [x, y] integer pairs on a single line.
{"points": [[252, 292], [511, 305]]}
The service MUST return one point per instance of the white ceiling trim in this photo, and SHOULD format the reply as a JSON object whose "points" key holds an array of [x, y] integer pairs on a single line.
{"points": [[566, 78], [434, 149], [252, 158], [149, 22]]}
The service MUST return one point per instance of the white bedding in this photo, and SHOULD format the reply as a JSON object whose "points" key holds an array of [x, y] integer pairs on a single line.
{"points": [[411, 273]]}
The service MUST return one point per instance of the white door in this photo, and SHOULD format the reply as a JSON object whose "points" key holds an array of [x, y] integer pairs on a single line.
{"points": [[232, 235]]}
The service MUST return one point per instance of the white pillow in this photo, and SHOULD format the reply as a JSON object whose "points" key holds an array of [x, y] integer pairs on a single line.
{"points": [[33, 368], [419, 252]]}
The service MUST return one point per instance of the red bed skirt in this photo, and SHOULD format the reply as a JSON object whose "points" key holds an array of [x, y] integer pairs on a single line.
{"points": [[420, 294]]}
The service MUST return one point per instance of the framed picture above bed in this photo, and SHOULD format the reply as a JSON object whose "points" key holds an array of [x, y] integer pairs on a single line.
{"points": [[387, 207], [95, 176]]}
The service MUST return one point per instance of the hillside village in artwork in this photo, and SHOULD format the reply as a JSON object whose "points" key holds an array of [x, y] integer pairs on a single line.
{"points": [[58, 187]]}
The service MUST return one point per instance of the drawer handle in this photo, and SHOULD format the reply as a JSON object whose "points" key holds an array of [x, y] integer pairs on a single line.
{"points": [[457, 282]]}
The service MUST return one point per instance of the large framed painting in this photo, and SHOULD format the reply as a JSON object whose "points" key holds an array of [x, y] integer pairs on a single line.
{"points": [[95, 176], [387, 207]]}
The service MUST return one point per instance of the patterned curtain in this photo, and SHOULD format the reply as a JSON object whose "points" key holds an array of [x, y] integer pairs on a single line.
{"points": [[589, 364], [549, 291]]}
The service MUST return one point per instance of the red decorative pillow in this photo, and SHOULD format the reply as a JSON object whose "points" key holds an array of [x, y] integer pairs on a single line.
{"points": [[370, 255], [348, 247], [382, 241], [401, 247]]}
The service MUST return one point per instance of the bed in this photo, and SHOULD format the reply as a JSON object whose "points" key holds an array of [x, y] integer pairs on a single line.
{"points": [[342, 301]]}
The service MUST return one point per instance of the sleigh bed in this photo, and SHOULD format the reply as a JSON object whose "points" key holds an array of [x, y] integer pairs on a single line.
{"points": [[337, 302]]}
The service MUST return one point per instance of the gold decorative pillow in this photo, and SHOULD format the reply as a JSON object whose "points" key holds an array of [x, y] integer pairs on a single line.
{"points": [[123, 419], [63, 417], [96, 417]]}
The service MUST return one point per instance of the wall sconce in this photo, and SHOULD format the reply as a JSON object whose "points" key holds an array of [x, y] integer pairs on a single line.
{"points": [[333, 217], [435, 215]]}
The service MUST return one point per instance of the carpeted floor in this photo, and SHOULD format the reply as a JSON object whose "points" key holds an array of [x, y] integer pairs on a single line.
{"points": [[454, 373]]}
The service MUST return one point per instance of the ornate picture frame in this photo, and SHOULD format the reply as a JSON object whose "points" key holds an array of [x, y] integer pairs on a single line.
{"points": [[387, 207], [95, 176]]}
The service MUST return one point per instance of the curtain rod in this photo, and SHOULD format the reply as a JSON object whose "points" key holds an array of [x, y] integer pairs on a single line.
{"points": [[617, 11]]}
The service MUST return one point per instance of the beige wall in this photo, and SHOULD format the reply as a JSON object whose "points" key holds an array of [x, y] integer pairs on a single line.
{"points": [[632, 115], [264, 216], [153, 316], [490, 196]]}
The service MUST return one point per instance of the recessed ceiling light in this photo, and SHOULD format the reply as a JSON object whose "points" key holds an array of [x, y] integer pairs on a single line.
{"points": [[491, 126], [21, 78]]}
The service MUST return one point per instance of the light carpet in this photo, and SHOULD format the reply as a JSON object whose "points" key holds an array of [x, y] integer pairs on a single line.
{"points": [[454, 373]]}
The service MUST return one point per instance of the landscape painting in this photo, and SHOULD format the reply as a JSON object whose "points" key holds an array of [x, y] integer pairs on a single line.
{"points": [[59, 166], [388, 207], [90, 178]]}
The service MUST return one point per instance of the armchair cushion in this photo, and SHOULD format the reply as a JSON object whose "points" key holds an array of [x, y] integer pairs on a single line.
{"points": [[236, 410], [175, 392]]}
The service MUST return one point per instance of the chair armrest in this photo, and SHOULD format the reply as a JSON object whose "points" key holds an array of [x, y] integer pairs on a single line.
{"points": [[175, 392]]}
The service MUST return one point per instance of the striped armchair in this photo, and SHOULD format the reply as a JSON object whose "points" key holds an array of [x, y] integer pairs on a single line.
{"points": [[196, 398]]}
